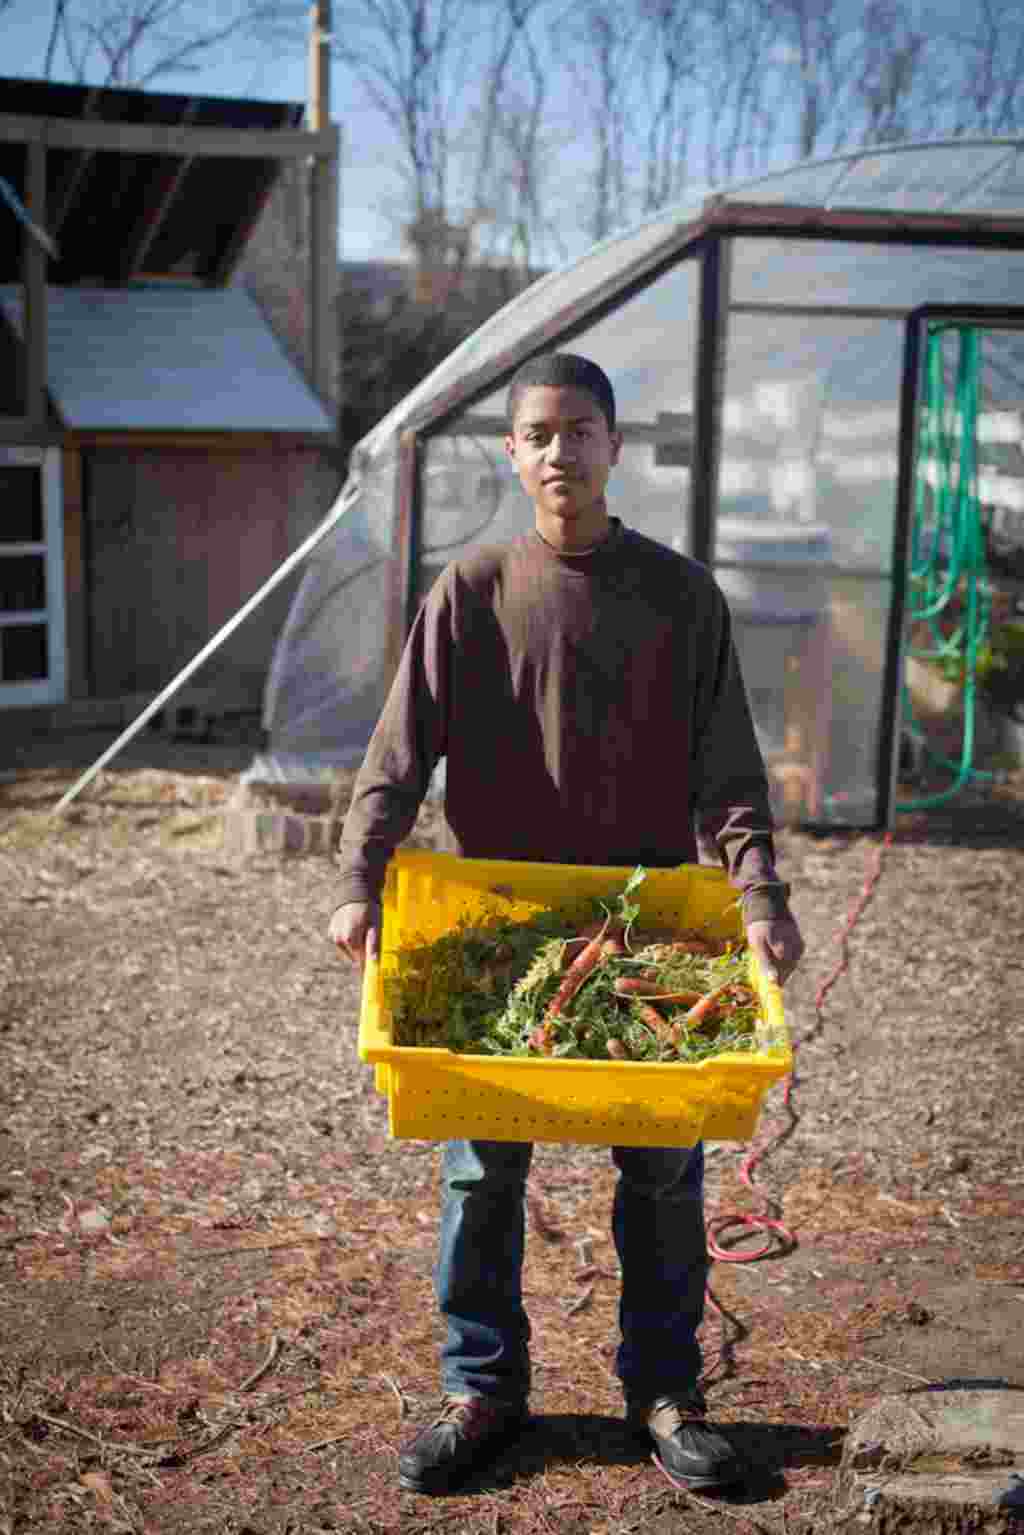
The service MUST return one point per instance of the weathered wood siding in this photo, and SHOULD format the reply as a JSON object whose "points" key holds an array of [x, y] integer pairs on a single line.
{"points": [[177, 539]]}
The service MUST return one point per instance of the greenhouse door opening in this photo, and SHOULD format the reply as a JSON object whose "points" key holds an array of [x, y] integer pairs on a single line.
{"points": [[32, 661], [962, 521]]}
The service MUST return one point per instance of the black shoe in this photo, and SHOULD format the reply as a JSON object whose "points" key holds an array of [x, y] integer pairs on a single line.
{"points": [[686, 1447], [468, 1432]]}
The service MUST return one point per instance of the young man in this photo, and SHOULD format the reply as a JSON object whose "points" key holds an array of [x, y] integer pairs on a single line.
{"points": [[583, 686]]}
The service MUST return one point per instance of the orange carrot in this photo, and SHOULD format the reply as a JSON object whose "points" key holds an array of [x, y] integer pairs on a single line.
{"points": [[594, 932], [586, 960], [540, 1040], [636, 986], [651, 1019], [705, 1007]]}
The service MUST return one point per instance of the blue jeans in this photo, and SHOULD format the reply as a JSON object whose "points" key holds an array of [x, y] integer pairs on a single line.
{"points": [[658, 1228]]}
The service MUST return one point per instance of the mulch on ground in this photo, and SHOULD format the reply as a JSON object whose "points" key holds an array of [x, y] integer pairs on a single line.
{"points": [[215, 1294]]}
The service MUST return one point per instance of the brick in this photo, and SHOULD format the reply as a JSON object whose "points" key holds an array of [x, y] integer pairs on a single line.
{"points": [[267, 835], [293, 834]]}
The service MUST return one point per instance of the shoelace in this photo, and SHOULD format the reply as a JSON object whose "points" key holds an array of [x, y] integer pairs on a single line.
{"points": [[681, 1411], [454, 1407]]}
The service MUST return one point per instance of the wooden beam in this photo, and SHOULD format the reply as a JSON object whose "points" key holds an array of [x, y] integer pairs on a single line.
{"points": [[34, 268], [70, 187], [158, 203], [75, 175], [21, 432], [168, 138], [163, 190], [323, 213], [220, 274]]}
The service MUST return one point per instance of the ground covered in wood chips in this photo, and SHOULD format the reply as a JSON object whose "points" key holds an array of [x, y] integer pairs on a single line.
{"points": [[215, 1301]]}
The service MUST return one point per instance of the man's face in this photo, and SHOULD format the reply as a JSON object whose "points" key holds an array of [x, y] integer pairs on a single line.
{"points": [[564, 451]]}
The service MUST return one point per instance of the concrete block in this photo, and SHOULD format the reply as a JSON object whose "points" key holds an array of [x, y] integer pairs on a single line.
{"points": [[943, 1459], [267, 835], [293, 838], [248, 832]]}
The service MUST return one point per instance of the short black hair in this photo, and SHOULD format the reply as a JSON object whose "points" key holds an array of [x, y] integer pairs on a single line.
{"points": [[563, 370]]}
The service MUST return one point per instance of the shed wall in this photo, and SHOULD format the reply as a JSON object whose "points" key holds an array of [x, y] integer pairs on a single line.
{"points": [[178, 538]]}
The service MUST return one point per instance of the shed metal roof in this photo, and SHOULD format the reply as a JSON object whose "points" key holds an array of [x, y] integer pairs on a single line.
{"points": [[169, 359]]}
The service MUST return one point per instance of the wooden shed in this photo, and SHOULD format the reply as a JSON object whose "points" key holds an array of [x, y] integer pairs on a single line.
{"points": [[160, 450]]}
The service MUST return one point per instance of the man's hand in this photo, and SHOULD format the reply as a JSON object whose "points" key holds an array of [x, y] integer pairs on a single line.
{"points": [[355, 928], [778, 946]]}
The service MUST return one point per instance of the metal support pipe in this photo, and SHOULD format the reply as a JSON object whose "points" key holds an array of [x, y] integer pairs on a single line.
{"points": [[709, 383], [341, 506]]}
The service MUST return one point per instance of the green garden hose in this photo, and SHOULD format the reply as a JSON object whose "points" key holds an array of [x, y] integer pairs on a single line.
{"points": [[947, 550]]}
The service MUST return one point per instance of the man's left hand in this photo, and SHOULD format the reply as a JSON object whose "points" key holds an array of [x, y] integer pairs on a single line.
{"points": [[778, 945]]}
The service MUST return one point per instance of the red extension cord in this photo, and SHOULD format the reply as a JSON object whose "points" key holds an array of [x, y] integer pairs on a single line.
{"points": [[779, 1237]]}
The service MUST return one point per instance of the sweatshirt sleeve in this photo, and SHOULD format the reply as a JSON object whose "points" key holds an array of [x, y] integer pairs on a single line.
{"points": [[409, 740], [732, 805]]}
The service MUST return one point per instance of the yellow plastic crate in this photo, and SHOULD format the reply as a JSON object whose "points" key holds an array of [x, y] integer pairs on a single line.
{"points": [[435, 1094]]}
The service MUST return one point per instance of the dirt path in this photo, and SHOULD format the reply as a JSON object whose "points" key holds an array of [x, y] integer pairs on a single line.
{"points": [[215, 1309]]}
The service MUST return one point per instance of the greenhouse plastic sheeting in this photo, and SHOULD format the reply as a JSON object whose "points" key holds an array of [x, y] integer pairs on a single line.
{"points": [[809, 418]]}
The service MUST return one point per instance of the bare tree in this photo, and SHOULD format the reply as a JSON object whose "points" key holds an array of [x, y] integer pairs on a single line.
{"points": [[516, 224], [991, 77], [412, 59], [133, 42], [893, 86], [809, 53], [670, 47], [602, 59], [458, 84], [739, 42]]}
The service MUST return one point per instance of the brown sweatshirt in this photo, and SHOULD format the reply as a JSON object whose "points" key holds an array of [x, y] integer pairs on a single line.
{"points": [[590, 709]]}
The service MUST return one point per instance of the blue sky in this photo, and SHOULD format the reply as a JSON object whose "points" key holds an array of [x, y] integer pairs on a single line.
{"points": [[246, 70]]}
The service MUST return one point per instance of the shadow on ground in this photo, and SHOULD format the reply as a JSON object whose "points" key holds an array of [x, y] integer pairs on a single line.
{"points": [[552, 1439]]}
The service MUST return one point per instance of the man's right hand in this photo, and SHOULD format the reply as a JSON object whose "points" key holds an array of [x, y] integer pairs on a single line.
{"points": [[355, 929]]}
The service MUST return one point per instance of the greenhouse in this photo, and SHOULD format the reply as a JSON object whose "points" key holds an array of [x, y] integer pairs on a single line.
{"points": [[809, 368]]}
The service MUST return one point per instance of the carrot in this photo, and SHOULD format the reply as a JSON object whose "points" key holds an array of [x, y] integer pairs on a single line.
{"points": [[592, 934], [540, 1040], [703, 1009], [636, 986], [651, 1019], [586, 960]]}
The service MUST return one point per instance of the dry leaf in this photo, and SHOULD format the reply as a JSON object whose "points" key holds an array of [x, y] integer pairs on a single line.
{"points": [[99, 1483]]}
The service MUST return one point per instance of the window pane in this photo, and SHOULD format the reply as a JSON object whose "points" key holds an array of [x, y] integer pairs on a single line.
{"points": [[21, 504], [22, 583], [842, 273], [803, 546], [23, 653]]}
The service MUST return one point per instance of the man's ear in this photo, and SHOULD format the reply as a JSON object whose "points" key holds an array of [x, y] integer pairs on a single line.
{"points": [[510, 447], [616, 446]]}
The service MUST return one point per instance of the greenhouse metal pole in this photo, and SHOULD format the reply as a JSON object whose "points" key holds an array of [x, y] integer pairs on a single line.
{"points": [[892, 670], [708, 388], [283, 570]]}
